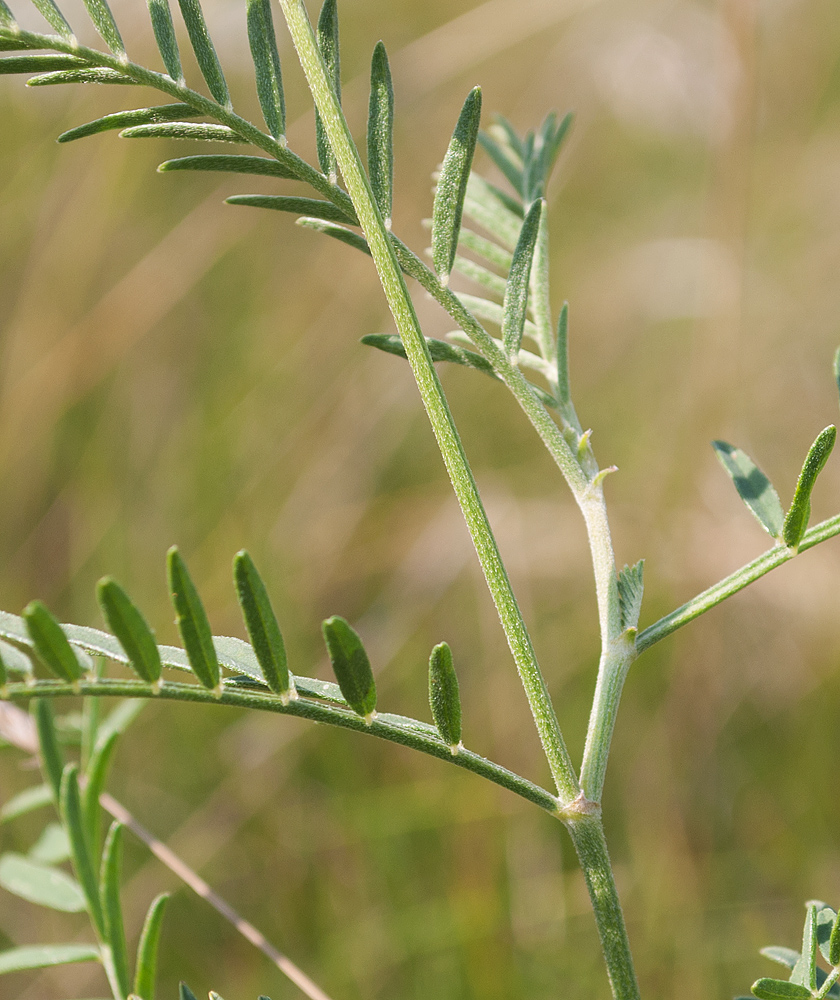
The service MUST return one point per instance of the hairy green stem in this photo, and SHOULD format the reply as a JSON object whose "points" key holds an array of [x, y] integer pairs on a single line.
{"points": [[736, 581], [393, 728], [402, 309]]}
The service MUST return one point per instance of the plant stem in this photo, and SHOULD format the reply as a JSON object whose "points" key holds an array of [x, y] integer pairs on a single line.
{"points": [[402, 309], [587, 834]]}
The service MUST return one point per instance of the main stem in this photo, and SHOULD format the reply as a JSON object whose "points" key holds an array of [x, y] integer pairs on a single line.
{"points": [[434, 401]]}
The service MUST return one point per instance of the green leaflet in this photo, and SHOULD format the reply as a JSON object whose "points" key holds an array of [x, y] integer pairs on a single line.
{"points": [[147, 949], [505, 158], [805, 971], [796, 519], [96, 774], [185, 993], [299, 206], [71, 812], [261, 623], [96, 75], [103, 21], [236, 164], [52, 846], [778, 989], [491, 252], [753, 487], [53, 16], [51, 643], [438, 349], [7, 18], [444, 696], [380, 132], [328, 43], [130, 627], [52, 759], [11, 44], [631, 588], [183, 130], [492, 312], [192, 621], [494, 283], [834, 942], [43, 956], [40, 884], [266, 59], [352, 239], [167, 43], [516, 293], [205, 54], [39, 63], [351, 666], [564, 395], [451, 188], [126, 119], [109, 898], [826, 917], [836, 368], [483, 204], [26, 801]]}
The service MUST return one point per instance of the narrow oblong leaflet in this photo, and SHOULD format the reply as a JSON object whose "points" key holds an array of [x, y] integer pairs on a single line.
{"points": [[444, 696], [351, 666]]}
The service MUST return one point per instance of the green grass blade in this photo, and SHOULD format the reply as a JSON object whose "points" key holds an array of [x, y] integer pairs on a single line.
{"points": [[41, 884], [45, 956], [147, 949], [753, 487], [444, 696], [100, 74], [340, 233], [351, 666], [451, 188], [130, 627], [52, 759], [103, 21], [261, 623], [198, 131], [266, 59], [109, 883], [51, 643], [796, 519], [440, 350], [126, 119], [96, 774], [205, 53], [380, 132], [39, 63], [325, 210], [503, 160], [192, 621], [53, 16], [328, 43], [516, 293], [71, 811], [236, 164], [167, 43]]}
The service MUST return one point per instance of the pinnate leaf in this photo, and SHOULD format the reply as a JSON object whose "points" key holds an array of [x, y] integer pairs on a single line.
{"points": [[41, 884], [753, 487], [351, 666], [267, 66], [796, 519], [452, 186]]}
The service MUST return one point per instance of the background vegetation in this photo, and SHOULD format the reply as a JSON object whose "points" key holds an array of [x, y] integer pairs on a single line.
{"points": [[175, 370]]}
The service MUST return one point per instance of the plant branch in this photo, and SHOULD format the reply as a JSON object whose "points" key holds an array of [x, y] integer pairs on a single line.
{"points": [[449, 442]]}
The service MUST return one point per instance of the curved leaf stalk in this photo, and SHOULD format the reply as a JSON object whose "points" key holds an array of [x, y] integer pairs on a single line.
{"points": [[393, 728], [402, 309]]}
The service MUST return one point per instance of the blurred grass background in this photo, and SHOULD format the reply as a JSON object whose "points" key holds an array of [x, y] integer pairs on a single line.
{"points": [[173, 370]]}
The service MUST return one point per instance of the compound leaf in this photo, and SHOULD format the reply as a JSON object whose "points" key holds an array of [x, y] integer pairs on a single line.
{"points": [[380, 132], [41, 884], [261, 623], [267, 66], [451, 188], [126, 119], [753, 487], [167, 43], [205, 53], [351, 666], [796, 519], [130, 627], [191, 619]]}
